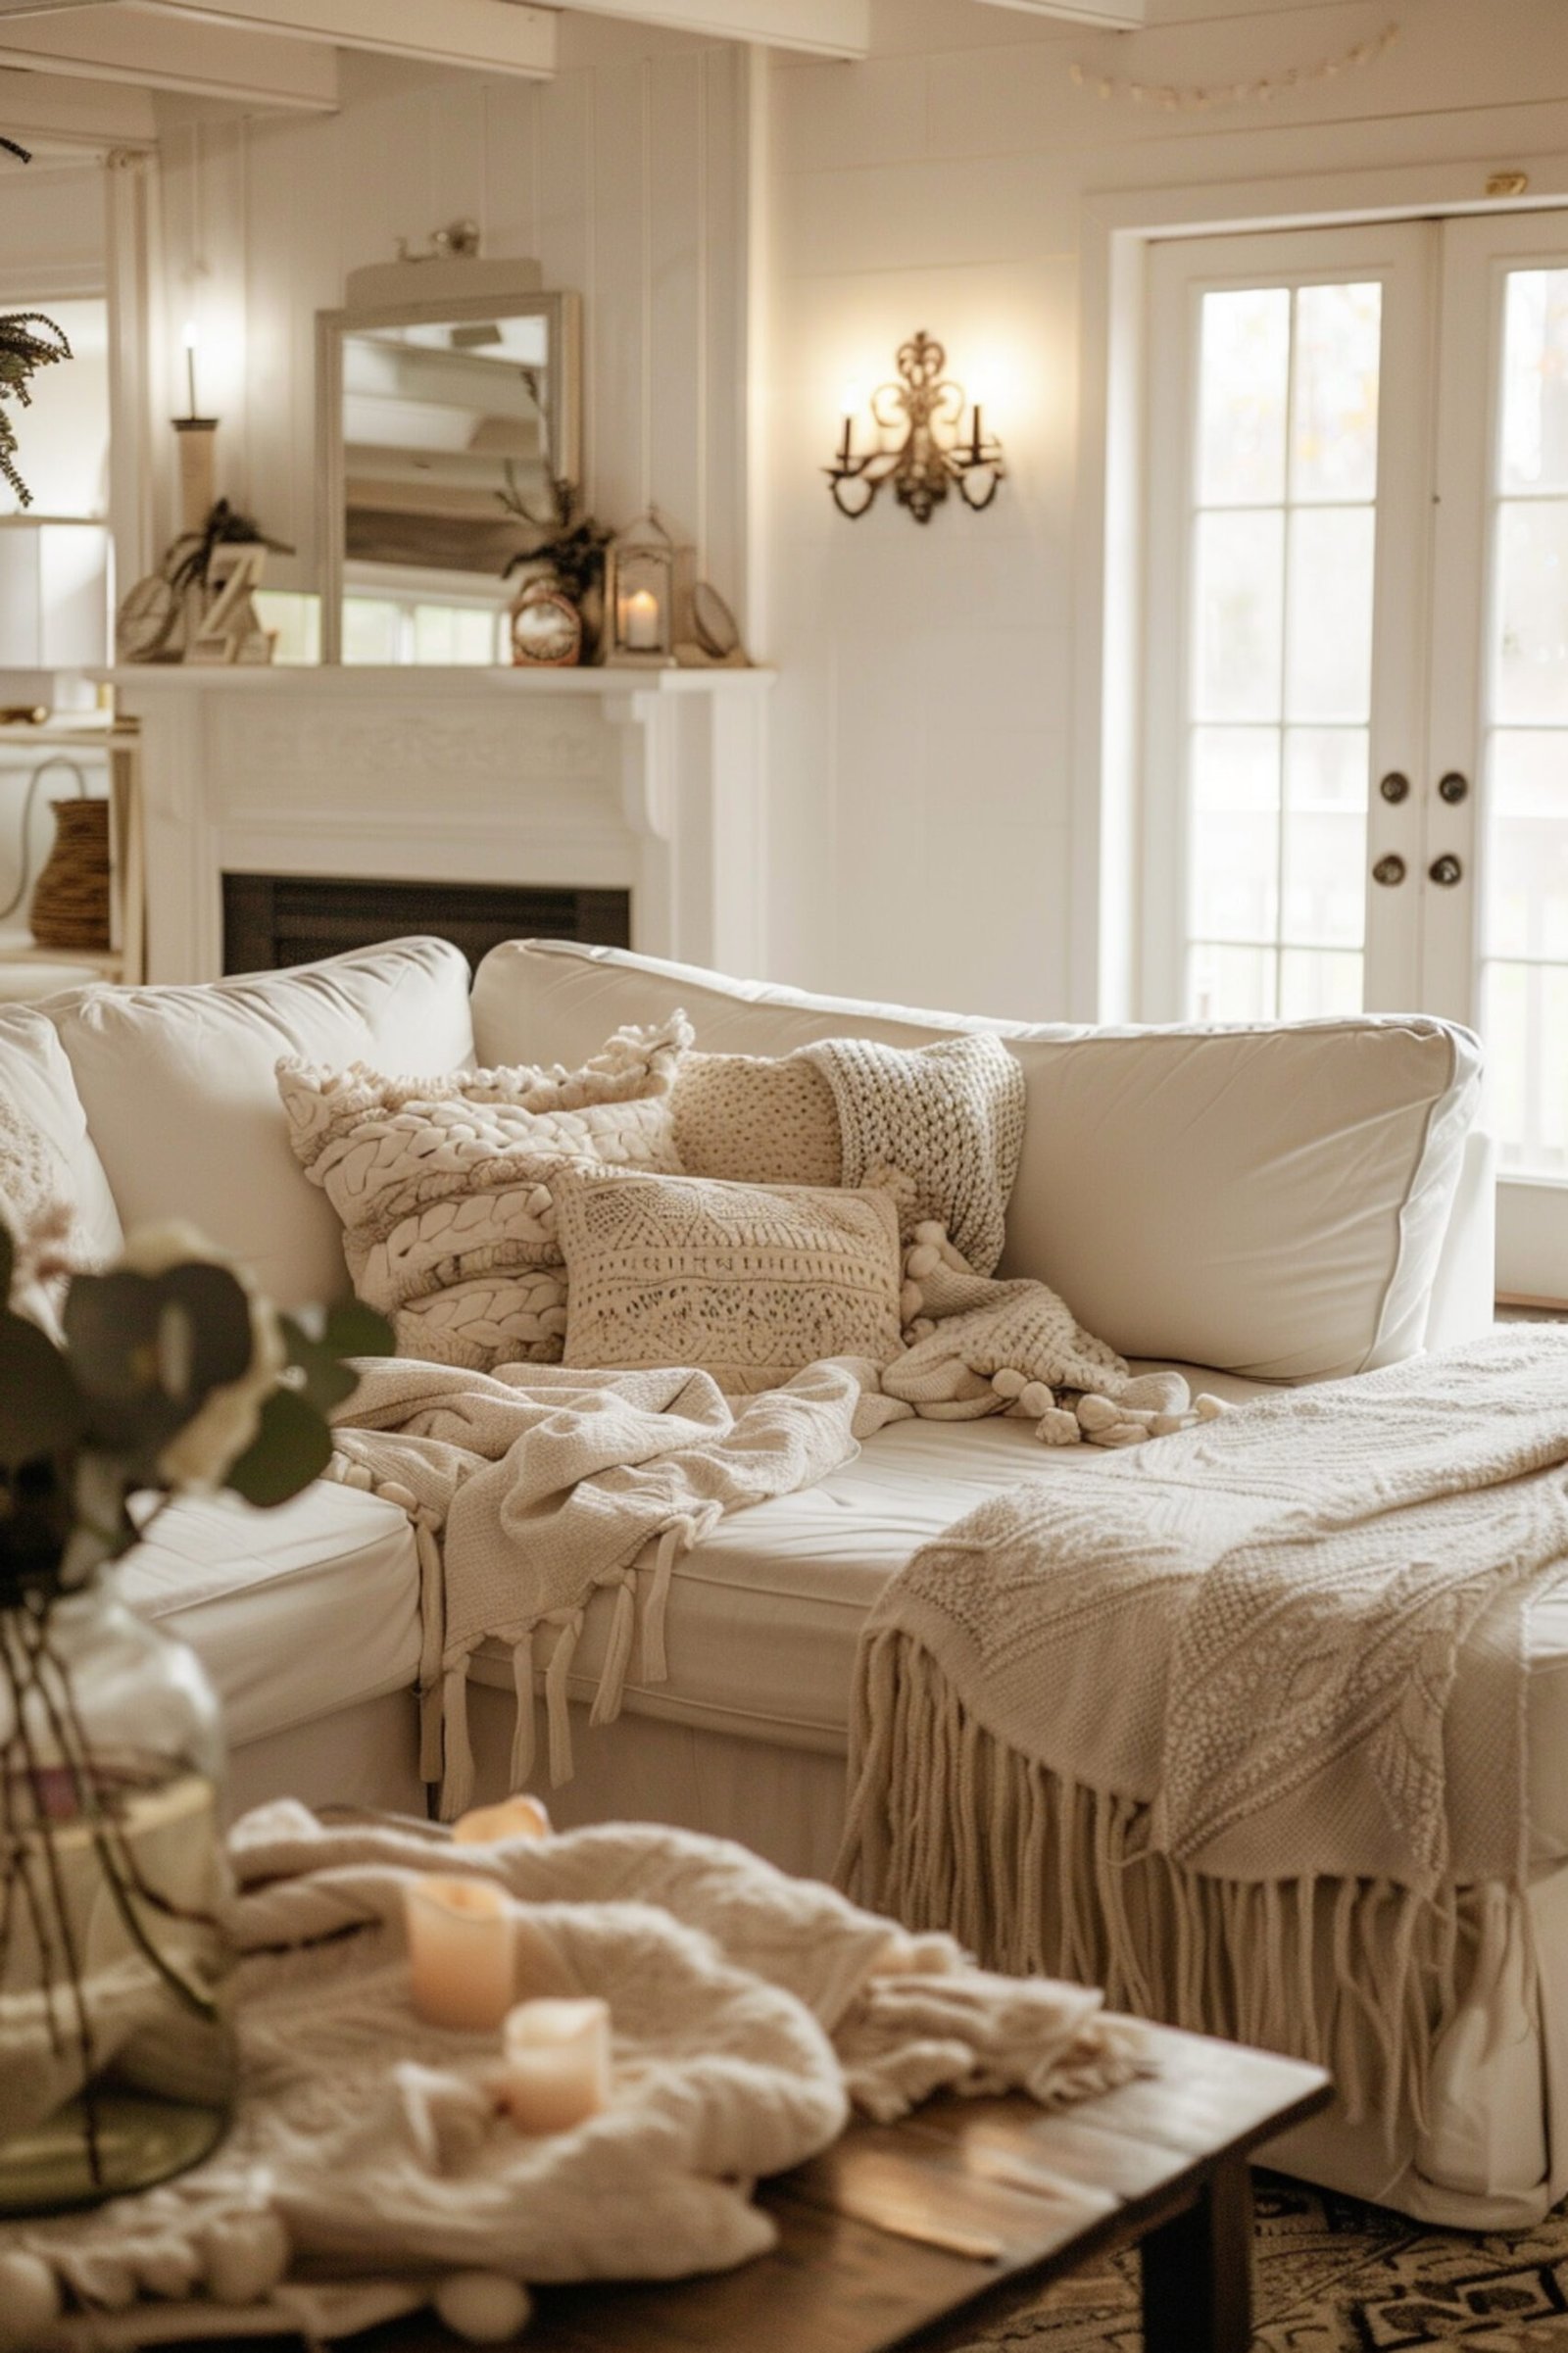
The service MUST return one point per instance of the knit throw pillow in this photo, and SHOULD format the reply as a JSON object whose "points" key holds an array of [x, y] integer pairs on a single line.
{"points": [[746, 1282], [447, 1186], [760, 1122], [947, 1116]]}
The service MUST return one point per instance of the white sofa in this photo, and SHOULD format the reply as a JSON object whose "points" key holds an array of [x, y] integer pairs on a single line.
{"points": [[1266, 1205]]}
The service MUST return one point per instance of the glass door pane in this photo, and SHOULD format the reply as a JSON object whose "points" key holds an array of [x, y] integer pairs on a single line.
{"points": [[1524, 848], [1282, 525]]}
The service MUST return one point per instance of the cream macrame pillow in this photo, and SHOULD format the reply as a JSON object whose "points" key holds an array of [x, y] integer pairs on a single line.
{"points": [[446, 1186], [746, 1282]]}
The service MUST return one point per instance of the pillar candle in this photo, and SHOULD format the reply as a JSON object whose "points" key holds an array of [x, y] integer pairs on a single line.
{"points": [[513, 1818], [556, 2064], [460, 1952], [641, 629]]}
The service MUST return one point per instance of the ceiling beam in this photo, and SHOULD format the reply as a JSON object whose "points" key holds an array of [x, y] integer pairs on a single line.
{"points": [[818, 28], [1111, 15], [49, 107], [493, 36], [119, 45]]}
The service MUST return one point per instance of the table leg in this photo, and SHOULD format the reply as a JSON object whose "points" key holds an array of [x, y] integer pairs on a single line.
{"points": [[1198, 2270]]}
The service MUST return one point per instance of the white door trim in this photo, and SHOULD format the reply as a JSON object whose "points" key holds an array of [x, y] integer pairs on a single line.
{"points": [[1116, 229]]}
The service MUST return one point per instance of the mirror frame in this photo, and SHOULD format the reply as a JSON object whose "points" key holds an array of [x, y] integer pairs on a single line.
{"points": [[563, 311]]}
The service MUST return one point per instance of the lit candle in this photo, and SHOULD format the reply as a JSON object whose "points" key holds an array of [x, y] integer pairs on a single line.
{"points": [[460, 1952], [640, 627], [513, 1818], [556, 2065], [190, 340]]}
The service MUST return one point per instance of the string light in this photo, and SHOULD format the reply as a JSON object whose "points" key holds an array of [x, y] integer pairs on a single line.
{"points": [[1195, 97]]}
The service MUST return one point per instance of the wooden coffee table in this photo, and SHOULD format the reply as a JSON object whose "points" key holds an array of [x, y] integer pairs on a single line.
{"points": [[1021, 2197]]}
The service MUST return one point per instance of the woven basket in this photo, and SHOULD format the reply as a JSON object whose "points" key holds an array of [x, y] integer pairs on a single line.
{"points": [[70, 898]]}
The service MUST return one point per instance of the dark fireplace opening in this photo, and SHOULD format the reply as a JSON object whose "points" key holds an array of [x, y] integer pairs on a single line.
{"points": [[274, 919]]}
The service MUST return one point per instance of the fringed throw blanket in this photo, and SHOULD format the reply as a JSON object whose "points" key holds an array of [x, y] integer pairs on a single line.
{"points": [[1235, 1728], [749, 2012], [531, 1487]]}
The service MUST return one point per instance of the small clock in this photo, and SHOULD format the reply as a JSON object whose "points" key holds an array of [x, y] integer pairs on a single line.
{"points": [[546, 630]]}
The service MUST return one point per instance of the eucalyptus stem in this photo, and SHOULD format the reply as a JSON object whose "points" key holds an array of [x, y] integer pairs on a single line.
{"points": [[19, 1870], [78, 1994], [116, 1875]]}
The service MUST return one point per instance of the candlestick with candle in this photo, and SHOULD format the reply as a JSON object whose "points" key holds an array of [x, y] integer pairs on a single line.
{"points": [[556, 2064], [462, 1955], [190, 338]]}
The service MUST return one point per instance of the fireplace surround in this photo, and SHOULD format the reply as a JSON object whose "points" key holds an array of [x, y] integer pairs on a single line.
{"points": [[646, 784]]}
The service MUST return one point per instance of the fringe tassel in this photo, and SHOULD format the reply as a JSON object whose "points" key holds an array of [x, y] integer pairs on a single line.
{"points": [[520, 1770], [949, 1829], [456, 1785], [618, 1655], [560, 1667], [432, 1620], [676, 1537]]}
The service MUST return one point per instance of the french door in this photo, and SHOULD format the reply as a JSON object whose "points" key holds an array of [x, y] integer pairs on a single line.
{"points": [[1356, 740]]}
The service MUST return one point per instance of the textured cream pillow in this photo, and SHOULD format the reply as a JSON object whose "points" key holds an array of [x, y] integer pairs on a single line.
{"points": [[446, 1187], [746, 1282], [757, 1120]]}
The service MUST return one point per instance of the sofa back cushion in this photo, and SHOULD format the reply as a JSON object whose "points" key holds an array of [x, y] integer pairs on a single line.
{"points": [[1269, 1200], [183, 1102], [46, 1154]]}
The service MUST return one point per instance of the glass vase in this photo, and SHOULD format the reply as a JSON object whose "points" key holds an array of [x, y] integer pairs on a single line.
{"points": [[117, 2060]]}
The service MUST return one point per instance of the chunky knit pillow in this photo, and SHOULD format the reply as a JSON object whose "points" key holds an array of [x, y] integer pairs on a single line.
{"points": [[446, 1187], [757, 1120], [746, 1282]]}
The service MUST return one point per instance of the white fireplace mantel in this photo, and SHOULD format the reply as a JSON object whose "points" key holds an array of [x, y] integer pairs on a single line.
{"points": [[643, 779]]}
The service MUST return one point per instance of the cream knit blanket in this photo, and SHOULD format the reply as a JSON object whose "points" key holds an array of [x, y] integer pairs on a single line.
{"points": [[749, 2011], [1243, 1700], [531, 1487]]}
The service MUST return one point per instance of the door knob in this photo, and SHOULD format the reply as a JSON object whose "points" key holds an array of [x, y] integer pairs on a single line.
{"points": [[1452, 788], [1388, 870], [1394, 786], [1445, 869]]}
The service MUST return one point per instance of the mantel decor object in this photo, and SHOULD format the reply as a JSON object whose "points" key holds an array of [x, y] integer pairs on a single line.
{"points": [[921, 444], [547, 629], [640, 595], [161, 1374]]}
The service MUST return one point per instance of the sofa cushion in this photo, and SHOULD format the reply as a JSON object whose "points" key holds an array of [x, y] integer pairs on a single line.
{"points": [[183, 1102], [1272, 1201], [295, 1613], [38, 1090]]}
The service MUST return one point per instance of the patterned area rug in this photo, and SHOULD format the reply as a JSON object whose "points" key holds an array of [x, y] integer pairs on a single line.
{"points": [[1335, 2276]]}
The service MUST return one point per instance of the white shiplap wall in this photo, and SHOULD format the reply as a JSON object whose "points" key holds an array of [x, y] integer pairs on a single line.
{"points": [[623, 178], [924, 797]]}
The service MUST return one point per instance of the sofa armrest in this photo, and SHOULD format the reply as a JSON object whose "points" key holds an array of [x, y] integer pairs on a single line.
{"points": [[1464, 1287]]}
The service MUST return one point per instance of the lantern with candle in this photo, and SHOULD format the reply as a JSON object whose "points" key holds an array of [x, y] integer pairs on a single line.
{"points": [[639, 593]]}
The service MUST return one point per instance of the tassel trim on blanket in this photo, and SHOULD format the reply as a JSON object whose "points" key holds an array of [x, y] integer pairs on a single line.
{"points": [[950, 1828], [447, 1745]]}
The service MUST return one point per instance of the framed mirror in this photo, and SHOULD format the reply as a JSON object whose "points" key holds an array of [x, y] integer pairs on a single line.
{"points": [[439, 419]]}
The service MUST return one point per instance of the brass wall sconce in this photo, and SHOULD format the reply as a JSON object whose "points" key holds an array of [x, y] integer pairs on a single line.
{"points": [[921, 447]]}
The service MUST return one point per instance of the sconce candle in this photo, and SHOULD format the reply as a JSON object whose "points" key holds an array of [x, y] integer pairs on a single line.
{"points": [[919, 446], [190, 340], [460, 1952], [556, 2067]]}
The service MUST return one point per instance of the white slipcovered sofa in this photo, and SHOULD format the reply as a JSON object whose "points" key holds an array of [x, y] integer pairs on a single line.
{"points": [[1268, 1205]]}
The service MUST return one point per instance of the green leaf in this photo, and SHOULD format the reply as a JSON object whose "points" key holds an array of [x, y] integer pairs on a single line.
{"points": [[40, 1409], [148, 1351], [292, 1447], [352, 1329]]}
